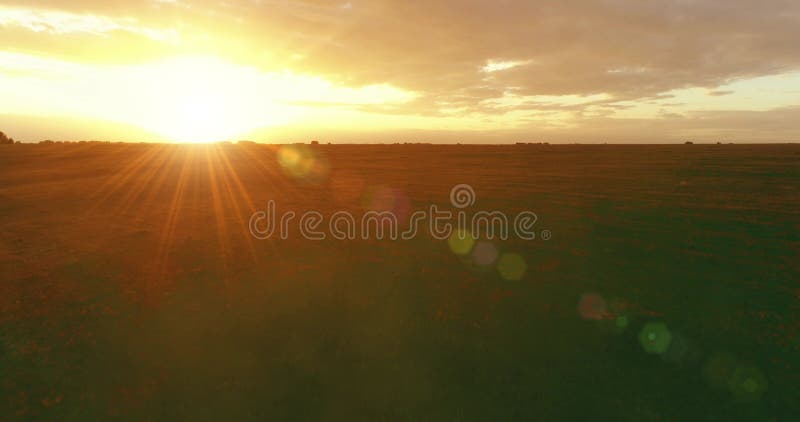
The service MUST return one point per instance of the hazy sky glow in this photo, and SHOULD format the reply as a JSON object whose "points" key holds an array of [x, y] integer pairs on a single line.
{"points": [[379, 70]]}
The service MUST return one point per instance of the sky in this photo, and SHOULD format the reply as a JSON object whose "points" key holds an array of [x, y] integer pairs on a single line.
{"points": [[488, 71]]}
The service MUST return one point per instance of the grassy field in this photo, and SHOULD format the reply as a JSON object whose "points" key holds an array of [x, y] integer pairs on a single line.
{"points": [[130, 286]]}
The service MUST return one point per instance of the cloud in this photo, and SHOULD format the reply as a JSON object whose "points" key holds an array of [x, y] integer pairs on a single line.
{"points": [[60, 23], [720, 93]]}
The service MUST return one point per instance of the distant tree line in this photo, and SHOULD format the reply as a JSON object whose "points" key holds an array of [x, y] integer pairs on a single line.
{"points": [[5, 139]]}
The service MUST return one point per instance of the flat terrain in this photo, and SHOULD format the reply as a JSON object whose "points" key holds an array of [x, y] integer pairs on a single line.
{"points": [[130, 286]]}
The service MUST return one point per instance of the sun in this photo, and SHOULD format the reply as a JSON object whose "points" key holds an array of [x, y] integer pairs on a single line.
{"points": [[201, 117], [202, 100]]}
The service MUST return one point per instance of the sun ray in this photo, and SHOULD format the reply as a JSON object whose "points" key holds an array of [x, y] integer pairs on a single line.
{"points": [[167, 236], [146, 191], [219, 212], [229, 177], [124, 175]]}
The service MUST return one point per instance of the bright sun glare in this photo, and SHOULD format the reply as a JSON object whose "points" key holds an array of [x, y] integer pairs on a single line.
{"points": [[203, 100], [193, 98]]}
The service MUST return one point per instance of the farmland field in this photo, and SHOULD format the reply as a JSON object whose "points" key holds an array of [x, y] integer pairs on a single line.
{"points": [[663, 284]]}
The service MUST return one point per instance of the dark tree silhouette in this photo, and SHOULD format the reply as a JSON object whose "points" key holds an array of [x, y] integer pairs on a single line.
{"points": [[5, 139]]}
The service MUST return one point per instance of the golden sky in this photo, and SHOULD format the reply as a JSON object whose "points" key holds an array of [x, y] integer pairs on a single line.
{"points": [[392, 70]]}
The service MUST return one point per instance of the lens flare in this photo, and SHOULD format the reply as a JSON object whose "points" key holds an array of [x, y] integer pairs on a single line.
{"points": [[461, 242], [592, 306], [655, 338], [511, 266], [301, 162], [747, 383], [485, 253]]}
